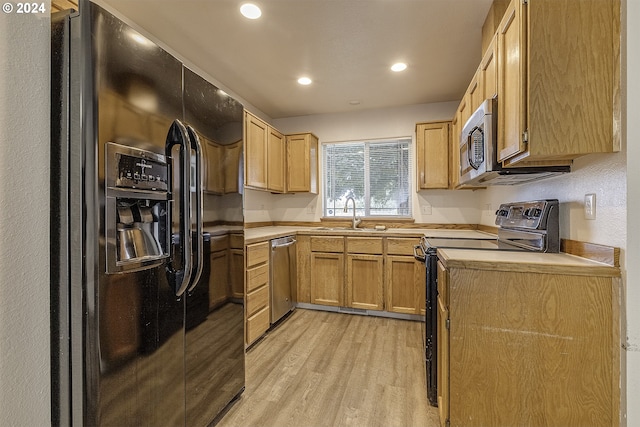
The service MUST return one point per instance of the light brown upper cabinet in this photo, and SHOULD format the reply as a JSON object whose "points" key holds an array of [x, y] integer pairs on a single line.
{"points": [[276, 161], [488, 71], [432, 146], [232, 156], [213, 166], [302, 163], [256, 135], [58, 5], [558, 81]]}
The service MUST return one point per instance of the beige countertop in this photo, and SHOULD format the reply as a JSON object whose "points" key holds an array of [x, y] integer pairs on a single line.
{"points": [[259, 234], [524, 262]]}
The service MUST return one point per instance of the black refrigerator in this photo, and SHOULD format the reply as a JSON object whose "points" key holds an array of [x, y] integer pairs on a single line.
{"points": [[135, 340]]}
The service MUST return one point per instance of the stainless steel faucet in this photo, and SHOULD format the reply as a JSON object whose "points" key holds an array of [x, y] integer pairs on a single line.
{"points": [[356, 220]]}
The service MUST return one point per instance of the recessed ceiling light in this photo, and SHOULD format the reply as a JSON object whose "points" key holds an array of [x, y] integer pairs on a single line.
{"points": [[354, 102], [304, 81], [399, 66], [250, 10]]}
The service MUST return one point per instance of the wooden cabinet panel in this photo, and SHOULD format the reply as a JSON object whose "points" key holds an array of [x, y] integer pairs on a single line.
{"points": [[401, 245], [558, 81], [219, 243], [511, 83], [364, 245], [232, 159], [257, 310], [302, 163], [365, 282], [403, 281], [443, 345], [256, 135], [303, 256], [488, 71], [432, 145], [236, 273], [327, 244], [327, 278], [257, 324], [276, 161], [257, 300], [257, 277], [257, 253], [476, 91], [213, 166], [219, 289], [58, 5], [551, 342]]}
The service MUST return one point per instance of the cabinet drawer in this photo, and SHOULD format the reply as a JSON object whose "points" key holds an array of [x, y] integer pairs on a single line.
{"points": [[257, 324], [364, 245], [257, 253], [219, 243], [256, 277], [236, 241], [327, 244], [401, 246], [257, 300]]}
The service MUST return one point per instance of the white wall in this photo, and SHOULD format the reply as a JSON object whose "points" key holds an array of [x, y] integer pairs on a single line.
{"points": [[441, 206], [25, 394]]}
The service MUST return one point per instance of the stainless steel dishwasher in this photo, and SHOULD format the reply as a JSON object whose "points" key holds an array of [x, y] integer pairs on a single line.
{"points": [[283, 276]]}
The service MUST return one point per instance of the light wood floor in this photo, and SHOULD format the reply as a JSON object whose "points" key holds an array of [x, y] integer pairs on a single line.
{"points": [[332, 369]]}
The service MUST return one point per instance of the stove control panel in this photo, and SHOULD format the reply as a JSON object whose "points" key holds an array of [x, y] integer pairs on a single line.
{"points": [[533, 215]]}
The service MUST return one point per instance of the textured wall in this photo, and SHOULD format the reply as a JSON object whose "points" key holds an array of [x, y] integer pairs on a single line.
{"points": [[24, 220]]}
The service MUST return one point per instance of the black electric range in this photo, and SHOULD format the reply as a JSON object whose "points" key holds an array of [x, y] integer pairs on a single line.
{"points": [[523, 226]]}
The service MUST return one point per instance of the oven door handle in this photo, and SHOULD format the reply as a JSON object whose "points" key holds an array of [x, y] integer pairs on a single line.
{"points": [[423, 257]]}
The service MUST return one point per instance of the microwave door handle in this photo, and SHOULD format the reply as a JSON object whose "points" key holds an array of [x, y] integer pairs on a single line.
{"points": [[196, 146], [178, 136]]}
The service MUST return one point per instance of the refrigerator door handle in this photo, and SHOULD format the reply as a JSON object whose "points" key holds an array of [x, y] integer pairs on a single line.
{"points": [[178, 136], [197, 176]]}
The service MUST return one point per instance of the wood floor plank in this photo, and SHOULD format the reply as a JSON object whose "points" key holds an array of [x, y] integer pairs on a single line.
{"points": [[331, 369]]}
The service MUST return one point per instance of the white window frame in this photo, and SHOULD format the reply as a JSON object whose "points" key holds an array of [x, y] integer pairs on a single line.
{"points": [[365, 211]]}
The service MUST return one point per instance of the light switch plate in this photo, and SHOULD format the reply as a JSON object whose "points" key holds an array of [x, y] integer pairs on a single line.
{"points": [[425, 209], [590, 206]]}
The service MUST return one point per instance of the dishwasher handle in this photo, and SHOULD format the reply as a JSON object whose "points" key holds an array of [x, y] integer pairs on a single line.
{"points": [[277, 245]]}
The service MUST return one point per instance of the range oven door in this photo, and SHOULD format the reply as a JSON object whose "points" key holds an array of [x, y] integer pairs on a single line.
{"points": [[429, 256]]}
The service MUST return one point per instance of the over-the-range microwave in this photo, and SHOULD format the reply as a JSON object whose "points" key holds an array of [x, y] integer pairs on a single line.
{"points": [[479, 166]]}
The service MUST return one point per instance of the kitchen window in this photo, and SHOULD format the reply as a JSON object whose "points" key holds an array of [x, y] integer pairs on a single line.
{"points": [[375, 173]]}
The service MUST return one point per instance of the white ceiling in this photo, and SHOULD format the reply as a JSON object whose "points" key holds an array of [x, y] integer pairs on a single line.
{"points": [[345, 46]]}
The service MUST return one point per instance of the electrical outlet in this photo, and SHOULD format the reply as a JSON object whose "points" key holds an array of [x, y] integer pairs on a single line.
{"points": [[311, 209], [425, 209], [590, 206]]}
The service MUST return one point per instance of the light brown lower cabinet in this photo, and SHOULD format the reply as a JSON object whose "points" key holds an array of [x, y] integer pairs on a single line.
{"points": [[528, 349], [365, 281], [370, 273], [236, 265], [219, 289], [257, 291], [327, 278]]}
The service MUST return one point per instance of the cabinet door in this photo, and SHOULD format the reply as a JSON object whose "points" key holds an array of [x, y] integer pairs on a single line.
{"points": [[327, 278], [476, 91], [365, 281], [219, 289], [403, 282], [443, 363], [236, 273], [256, 152], [276, 157], [432, 140], [214, 167], [488, 71], [302, 163], [232, 178], [443, 346], [511, 82]]}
